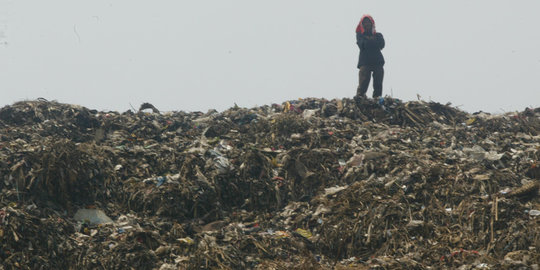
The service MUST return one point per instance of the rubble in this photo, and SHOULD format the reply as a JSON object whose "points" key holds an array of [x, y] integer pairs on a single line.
{"points": [[307, 184]]}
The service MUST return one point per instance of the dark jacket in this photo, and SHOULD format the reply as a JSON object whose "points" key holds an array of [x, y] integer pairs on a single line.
{"points": [[370, 49]]}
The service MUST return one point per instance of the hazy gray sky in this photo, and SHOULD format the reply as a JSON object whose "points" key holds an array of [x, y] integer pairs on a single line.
{"points": [[197, 55]]}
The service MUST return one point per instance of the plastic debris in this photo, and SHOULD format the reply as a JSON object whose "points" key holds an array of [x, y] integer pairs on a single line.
{"points": [[304, 233], [309, 183], [93, 216]]}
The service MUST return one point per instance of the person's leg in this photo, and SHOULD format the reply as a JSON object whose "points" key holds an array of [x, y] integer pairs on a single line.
{"points": [[378, 75], [364, 75]]}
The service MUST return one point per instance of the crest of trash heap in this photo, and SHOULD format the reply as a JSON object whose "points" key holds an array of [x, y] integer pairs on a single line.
{"points": [[306, 184]]}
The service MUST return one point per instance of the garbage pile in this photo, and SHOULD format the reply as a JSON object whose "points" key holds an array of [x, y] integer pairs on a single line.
{"points": [[306, 184]]}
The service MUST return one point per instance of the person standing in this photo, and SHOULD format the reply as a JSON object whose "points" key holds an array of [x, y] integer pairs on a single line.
{"points": [[371, 60]]}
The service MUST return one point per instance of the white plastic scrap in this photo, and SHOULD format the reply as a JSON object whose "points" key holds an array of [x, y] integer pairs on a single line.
{"points": [[478, 153], [334, 190], [309, 113], [94, 216]]}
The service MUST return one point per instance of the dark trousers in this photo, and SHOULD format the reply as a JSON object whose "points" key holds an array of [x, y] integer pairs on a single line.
{"points": [[365, 76]]}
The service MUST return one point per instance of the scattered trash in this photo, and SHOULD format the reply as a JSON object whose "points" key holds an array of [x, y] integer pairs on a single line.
{"points": [[93, 216], [310, 183], [304, 233], [333, 190]]}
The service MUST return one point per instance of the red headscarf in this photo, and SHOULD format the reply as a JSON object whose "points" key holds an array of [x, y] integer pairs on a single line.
{"points": [[360, 27]]}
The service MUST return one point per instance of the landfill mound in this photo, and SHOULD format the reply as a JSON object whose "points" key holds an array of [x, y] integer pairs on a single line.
{"points": [[306, 184]]}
